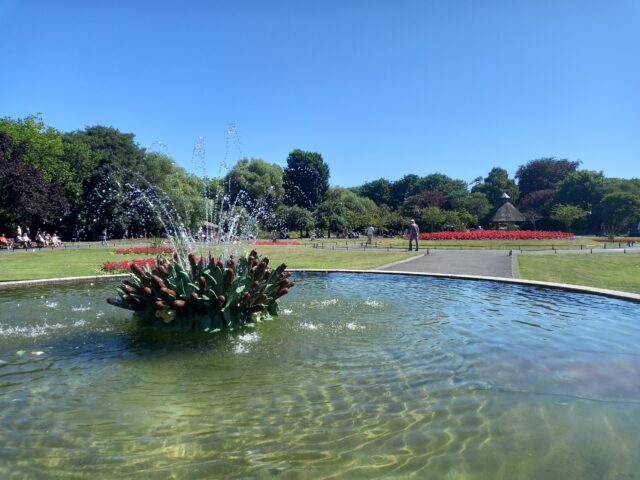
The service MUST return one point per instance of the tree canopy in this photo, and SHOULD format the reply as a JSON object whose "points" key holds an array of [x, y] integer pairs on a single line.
{"points": [[305, 179], [543, 174]]}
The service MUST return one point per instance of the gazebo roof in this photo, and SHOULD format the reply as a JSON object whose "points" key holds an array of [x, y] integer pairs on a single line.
{"points": [[508, 213]]}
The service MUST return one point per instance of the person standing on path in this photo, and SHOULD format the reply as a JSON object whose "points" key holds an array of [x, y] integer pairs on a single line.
{"points": [[370, 231], [414, 231], [103, 237]]}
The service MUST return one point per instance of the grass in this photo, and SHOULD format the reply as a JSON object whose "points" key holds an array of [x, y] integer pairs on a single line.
{"points": [[29, 265], [612, 271]]}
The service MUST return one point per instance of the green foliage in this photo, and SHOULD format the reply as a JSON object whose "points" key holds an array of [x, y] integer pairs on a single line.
{"points": [[45, 147], [455, 191], [543, 174], [494, 185], [305, 179], [296, 218], [431, 217], [204, 295], [402, 188], [255, 183], [619, 210], [378, 190], [477, 204], [567, 214], [343, 210]]}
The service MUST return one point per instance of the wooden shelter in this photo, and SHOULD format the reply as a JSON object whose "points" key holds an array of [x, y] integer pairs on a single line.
{"points": [[507, 213]]}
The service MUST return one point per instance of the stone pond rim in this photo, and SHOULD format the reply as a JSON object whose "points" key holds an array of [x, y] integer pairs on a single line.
{"points": [[632, 297]]}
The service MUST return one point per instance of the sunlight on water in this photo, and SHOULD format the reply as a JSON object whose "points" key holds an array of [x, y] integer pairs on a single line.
{"points": [[361, 377]]}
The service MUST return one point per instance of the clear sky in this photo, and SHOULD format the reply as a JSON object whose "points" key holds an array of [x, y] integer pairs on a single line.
{"points": [[379, 88]]}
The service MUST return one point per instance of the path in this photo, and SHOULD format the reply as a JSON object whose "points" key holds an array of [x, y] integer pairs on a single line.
{"points": [[490, 263]]}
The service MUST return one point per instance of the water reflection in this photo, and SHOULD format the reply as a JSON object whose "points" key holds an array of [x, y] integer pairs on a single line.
{"points": [[362, 376]]}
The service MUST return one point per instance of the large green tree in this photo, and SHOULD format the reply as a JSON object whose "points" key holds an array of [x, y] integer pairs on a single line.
{"points": [[401, 189], [305, 179], [255, 183], [45, 147], [454, 190], [296, 218], [543, 174], [620, 211], [27, 198], [494, 185], [378, 190]]}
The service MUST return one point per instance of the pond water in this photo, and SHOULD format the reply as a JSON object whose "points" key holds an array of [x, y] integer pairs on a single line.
{"points": [[362, 376]]}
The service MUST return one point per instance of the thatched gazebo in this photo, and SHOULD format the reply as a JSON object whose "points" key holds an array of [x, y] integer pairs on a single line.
{"points": [[507, 213]]}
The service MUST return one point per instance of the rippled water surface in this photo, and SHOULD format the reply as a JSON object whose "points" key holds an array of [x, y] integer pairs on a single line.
{"points": [[361, 377]]}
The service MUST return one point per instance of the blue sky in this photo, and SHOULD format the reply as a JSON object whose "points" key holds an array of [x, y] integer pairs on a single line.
{"points": [[379, 88]]}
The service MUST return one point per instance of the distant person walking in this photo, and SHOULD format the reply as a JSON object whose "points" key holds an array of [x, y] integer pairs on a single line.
{"points": [[414, 231], [370, 231], [103, 237]]}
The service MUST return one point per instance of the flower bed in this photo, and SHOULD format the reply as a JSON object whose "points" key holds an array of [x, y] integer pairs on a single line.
{"points": [[496, 235], [125, 266], [147, 250], [278, 242]]}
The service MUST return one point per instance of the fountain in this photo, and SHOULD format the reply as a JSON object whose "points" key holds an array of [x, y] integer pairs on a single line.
{"points": [[366, 375], [205, 295]]}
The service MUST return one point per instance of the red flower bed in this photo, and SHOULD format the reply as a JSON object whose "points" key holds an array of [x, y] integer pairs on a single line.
{"points": [[166, 249], [283, 242], [125, 265], [496, 235]]}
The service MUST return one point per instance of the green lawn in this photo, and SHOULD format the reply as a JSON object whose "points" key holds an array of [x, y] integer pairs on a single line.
{"points": [[613, 271], [28, 265]]}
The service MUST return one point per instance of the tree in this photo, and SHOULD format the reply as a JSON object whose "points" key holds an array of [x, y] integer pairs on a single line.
{"points": [[532, 217], [455, 191], [426, 198], [117, 196], [494, 185], [402, 188], [296, 218], [305, 179], [432, 217], [584, 188], [543, 174], [331, 216], [459, 220], [537, 201], [45, 147], [255, 183], [619, 210], [26, 196], [567, 214], [378, 190], [477, 204]]}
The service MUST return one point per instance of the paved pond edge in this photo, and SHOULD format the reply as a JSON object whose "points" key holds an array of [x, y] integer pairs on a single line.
{"points": [[633, 297]]}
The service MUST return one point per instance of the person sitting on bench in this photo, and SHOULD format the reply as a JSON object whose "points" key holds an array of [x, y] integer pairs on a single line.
{"points": [[5, 242]]}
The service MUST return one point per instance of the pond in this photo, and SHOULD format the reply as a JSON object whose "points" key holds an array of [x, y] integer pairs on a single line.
{"points": [[362, 376]]}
